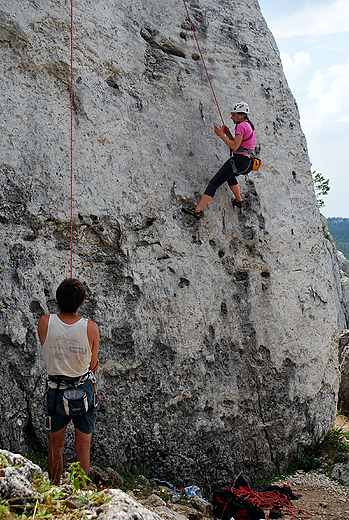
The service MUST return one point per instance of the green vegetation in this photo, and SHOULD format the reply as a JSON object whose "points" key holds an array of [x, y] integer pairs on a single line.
{"points": [[56, 503], [339, 229], [133, 479], [323, 455], [39, 458], [78, 476], [319, 457], [322, 187], [335, 442], [5, 513], [309, 462]]}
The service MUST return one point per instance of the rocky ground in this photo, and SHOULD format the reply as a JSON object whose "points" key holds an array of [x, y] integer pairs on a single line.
{"points": [[139, 498], [322, 497]]}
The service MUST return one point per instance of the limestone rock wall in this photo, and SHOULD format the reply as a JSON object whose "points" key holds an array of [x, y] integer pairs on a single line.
{"points": [[340, 271], [218, 346]]}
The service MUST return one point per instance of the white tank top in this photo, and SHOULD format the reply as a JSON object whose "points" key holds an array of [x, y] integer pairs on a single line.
{"points": [[66, 350]]}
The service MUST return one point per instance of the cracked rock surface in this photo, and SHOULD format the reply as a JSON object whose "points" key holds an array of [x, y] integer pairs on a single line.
{"points": [[218, 343], [16, 473]]}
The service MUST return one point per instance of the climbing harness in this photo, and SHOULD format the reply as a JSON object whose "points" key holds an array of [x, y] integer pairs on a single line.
{"points": [[203, 61], [256, 163], [74, 398], [71, 138]]}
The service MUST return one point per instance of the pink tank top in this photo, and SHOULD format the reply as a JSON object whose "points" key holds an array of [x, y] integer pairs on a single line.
{"points": [[248, 135]]}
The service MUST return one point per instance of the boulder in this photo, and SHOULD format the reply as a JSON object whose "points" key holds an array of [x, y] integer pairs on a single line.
{"points": [[218, 348], [123, 507], [16, 473], [343, 397], [102, 476]]}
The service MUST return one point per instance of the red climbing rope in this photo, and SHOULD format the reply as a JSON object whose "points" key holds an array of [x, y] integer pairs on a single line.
{"points": [[203, 61], [269, 499], [71, 138], [297, 514]]}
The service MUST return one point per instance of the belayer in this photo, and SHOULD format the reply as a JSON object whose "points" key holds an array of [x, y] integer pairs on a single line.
{"points": [[70, 350], [242, 146]]}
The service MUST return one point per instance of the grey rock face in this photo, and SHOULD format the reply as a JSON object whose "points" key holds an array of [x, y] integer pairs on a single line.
{"points": [[345, 296], [343, 263], [154, 501], [341, 471], [201, 504], [123, 507], [15, 476], [343, 397], [102, 476], [338, 263], [218, 344]]}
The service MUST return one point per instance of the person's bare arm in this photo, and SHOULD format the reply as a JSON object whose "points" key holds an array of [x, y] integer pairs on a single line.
{"points": [[93, 338], [233, 143], [42, 328]]}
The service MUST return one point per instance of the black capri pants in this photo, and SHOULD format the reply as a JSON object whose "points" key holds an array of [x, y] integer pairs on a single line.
{"points": [[243, 164]]}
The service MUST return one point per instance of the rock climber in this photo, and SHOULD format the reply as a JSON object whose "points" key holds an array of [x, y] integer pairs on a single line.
{"points": [[70, 349], [242, 146]]}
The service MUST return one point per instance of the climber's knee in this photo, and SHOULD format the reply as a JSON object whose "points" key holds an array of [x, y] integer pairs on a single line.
{"points": [[233, 182], [211, 189]]}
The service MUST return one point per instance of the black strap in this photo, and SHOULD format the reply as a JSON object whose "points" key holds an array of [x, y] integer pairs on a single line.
{"points": [[56, 398], [66, 380]]}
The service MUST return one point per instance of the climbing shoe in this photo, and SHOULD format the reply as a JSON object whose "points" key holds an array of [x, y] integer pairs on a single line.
{"points": [[193, 213], [236, 203]]}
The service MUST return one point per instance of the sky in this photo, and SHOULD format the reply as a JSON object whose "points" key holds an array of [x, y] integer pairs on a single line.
{"points": [[313, 40]]}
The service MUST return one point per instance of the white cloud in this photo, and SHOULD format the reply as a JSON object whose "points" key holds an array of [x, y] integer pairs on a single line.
{"points": [[315, 21], [327, 100], [295, 68], [316, 87]]}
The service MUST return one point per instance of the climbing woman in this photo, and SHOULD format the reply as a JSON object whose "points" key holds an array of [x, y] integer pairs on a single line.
{"points": [[242, 146]]}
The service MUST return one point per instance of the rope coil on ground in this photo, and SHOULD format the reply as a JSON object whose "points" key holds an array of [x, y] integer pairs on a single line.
{"points": [[269, 499]]}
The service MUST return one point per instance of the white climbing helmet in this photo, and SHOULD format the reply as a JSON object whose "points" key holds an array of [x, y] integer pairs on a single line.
{"points": [[240, 106]]}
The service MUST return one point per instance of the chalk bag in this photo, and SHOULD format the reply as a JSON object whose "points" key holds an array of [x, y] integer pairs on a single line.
{"points": [[75, 401], [256, 164]]}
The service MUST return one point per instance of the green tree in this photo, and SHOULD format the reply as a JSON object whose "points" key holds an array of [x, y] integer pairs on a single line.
{"points": [[322, 187]]}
